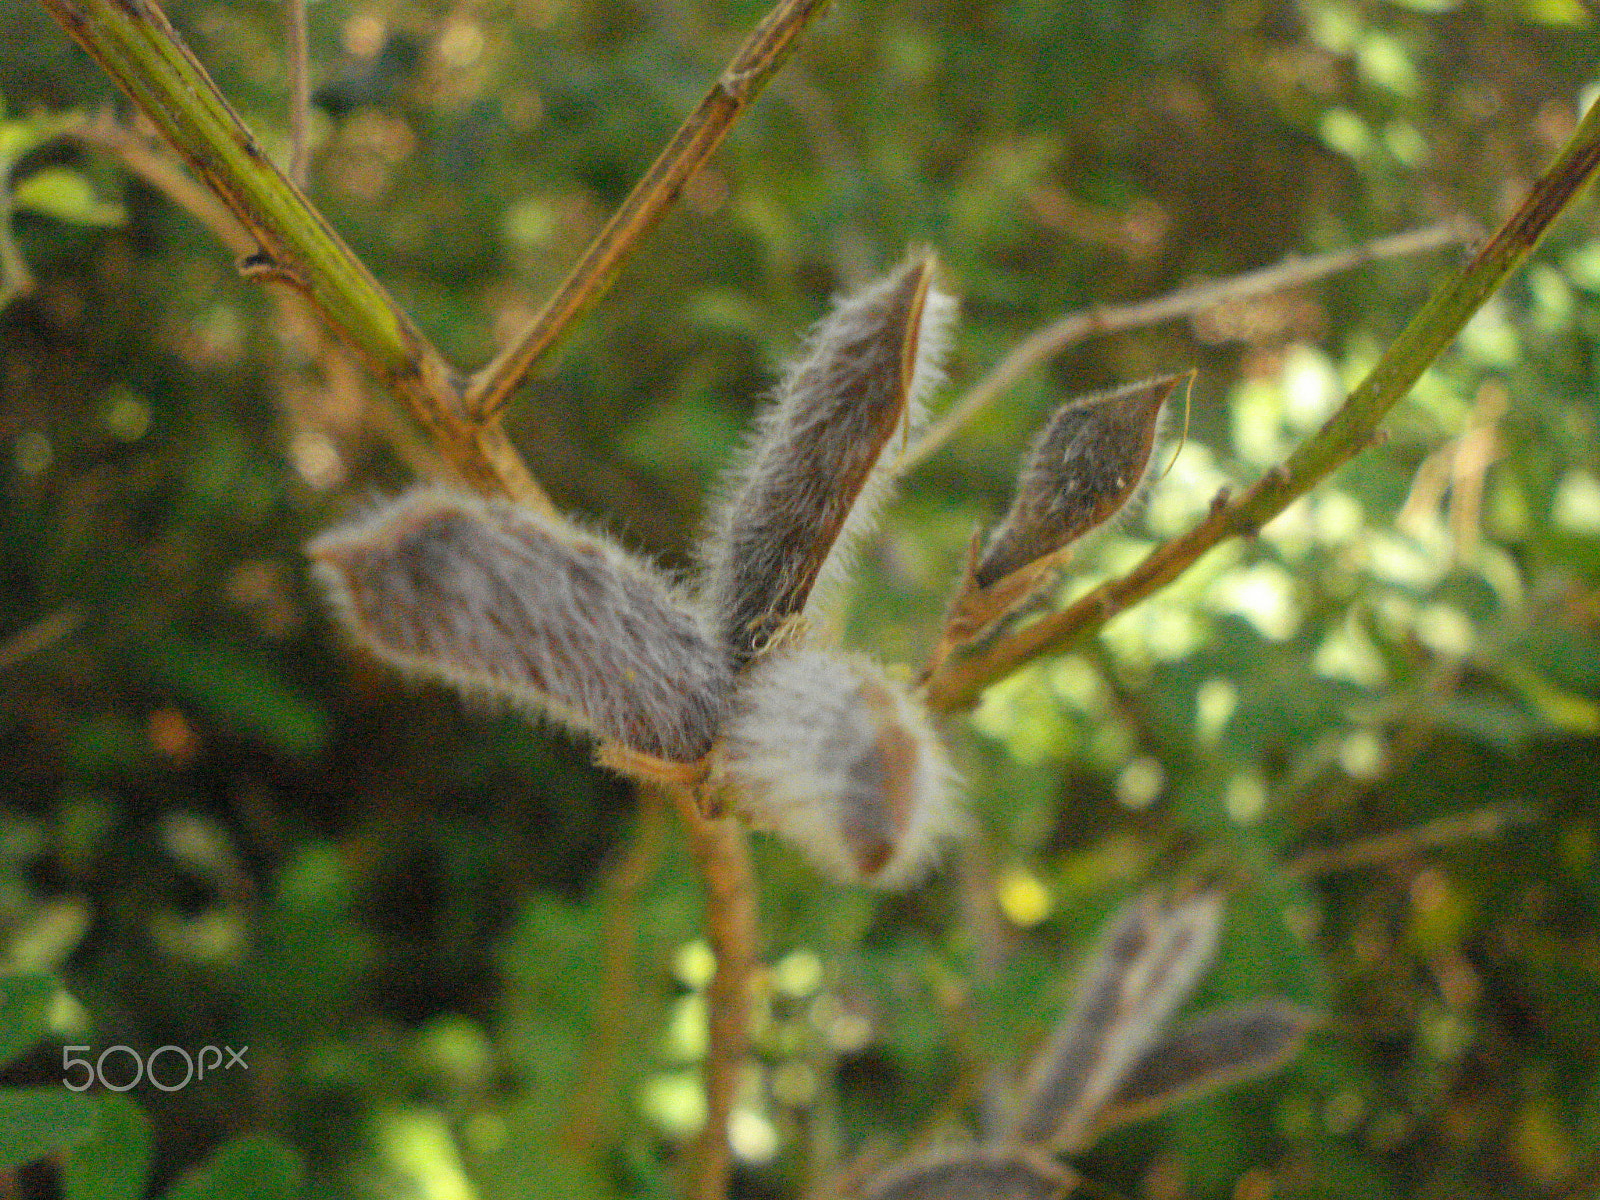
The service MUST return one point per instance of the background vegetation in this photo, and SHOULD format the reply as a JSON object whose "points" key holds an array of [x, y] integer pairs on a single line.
{"points": [[218, 826]]}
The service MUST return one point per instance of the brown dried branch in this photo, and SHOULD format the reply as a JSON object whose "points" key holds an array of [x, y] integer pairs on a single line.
{"points": [[1405, 843], [39, 636], [761, 55], [1186, 302]]}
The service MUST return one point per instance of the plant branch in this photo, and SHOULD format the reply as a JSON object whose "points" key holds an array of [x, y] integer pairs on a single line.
{"points": [[39, 636], [297, 319], [294, 245], [1404, 843], [761, 55], [1080, 326], [16, 279], [722, 852], [139, 156], [1351, 428], [594, 1097]]}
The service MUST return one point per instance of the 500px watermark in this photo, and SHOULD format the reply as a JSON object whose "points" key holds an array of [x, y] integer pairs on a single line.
{"points": [[178, 1066]]}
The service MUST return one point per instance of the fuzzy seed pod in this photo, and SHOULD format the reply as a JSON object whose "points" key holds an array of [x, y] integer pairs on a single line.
{"points": [[830, 754], [1083, 468], [1218, 1049], [1148, 963], [818, 467], [974, 1173], [502, 601]]}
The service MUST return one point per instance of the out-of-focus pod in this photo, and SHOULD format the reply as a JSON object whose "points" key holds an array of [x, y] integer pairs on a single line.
{"points": [[1147, 964], [974, 1173]]}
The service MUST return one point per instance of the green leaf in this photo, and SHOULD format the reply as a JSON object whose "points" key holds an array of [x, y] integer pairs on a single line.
{"points": [[65, 194], [114, 1162], [253, 1167], [24, 1012], [36, 1121]]}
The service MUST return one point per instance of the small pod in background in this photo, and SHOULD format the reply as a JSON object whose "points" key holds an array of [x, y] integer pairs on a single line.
{"points": [[1214, 1051], [1146, 965], [827, 752], [818, 467], [1084, 467], [505, 602], [974, 1172]]}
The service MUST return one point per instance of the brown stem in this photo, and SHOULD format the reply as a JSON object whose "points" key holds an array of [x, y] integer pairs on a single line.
{"points": [[721, 851], [762, 53], [1403, 843], [39, 636], [594, 1095]]}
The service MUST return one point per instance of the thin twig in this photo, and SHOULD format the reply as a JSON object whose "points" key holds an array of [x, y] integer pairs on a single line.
{"points": [[762, 53], [722, 853], [1352, 428], [594, 1095], [103, 132], [1186, 302], [297, 49], [296, 317], [39, 636], [16, 278], [1404, 843]]}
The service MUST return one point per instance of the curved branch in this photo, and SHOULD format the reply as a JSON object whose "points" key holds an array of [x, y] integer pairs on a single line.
{"points": [[959, 681], [1186, 302]]}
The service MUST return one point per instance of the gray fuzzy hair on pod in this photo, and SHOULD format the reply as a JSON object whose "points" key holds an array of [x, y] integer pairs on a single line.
{"points": [[1084, 467], [827, 752], [818, 467], [502, 601]]}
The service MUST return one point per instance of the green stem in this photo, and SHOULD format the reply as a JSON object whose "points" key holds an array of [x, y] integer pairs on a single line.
{"points": [[143, 54], [959, 681], [137, 46]]}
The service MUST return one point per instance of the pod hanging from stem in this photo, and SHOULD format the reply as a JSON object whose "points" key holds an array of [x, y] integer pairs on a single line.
{"points": [[1086, 465]]}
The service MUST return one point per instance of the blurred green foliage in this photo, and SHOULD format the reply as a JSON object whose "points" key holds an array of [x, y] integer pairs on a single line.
{"points": [[219, 826]]}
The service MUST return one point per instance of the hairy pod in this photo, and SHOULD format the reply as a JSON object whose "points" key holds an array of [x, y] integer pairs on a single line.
{"points": [[501, 601], [1144, 968], [818, 466], [827, 752], [1216, 1050], [1083, 468], [974, 1173]]}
